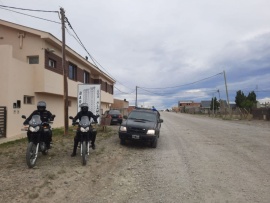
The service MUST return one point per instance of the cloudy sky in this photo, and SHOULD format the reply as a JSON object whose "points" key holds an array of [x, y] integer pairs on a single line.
{"points": [[167, 50]]}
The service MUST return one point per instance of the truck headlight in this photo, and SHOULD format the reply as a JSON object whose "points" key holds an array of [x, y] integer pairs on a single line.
{"points": [[123, 129], [150, 132]]}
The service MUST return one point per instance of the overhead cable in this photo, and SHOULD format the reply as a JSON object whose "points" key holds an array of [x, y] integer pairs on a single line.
{"points": [[30, 15], [26, 9], [93, 59], [171, 93], [69, 24], [122, 91], [183, 84]]}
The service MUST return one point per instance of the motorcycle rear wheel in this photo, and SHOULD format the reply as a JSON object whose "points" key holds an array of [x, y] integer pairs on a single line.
{"points": [[84, 153], [31, 156]]}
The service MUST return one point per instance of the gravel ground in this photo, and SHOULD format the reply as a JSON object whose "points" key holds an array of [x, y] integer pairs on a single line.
{"points": [[198, 159]]}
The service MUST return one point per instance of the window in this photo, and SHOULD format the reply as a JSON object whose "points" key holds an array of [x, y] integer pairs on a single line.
{"points": [[72, 72], [33, 59], [52, 63], [69, 103], [28, 99], [86, 77]]}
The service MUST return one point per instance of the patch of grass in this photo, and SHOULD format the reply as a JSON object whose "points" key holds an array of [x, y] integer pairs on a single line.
{"points": [[58, 131], [13, 143], [109, 132], [58, 136]]}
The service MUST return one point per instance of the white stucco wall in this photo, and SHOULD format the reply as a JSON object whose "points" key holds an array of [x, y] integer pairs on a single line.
{"points": [[19, 78]]}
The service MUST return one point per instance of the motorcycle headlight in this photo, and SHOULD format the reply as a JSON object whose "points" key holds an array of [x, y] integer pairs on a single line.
{"points": [[151, 132], [34, 129], [123, 129], [84, 129]]}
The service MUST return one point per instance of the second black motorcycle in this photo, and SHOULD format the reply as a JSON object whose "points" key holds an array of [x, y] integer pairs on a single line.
{"points": [[85, 130]]}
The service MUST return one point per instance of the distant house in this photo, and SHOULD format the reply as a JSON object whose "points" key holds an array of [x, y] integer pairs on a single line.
{"points": [[130, 108], [205, 106], [189, 106], [121, 105]]}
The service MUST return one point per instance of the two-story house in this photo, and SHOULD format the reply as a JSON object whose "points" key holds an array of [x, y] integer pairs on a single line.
{"points": [[31, 70]]}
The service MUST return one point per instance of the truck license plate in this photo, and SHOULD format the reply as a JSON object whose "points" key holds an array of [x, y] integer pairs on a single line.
{"points": [[135, 137]]}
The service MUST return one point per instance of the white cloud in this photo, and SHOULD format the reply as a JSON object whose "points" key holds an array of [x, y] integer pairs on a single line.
{"points": [[264, 100]]}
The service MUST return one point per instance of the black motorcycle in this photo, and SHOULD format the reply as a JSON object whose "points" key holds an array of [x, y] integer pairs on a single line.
{"points": [[38, 132], [85, 131]]}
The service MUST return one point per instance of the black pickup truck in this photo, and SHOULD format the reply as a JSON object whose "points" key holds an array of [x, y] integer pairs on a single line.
{"points": [[141, 125]]}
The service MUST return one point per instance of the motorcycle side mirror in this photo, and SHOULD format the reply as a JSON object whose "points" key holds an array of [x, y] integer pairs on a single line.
{"points": [[71, 117], [23, 116], [53, 116]]}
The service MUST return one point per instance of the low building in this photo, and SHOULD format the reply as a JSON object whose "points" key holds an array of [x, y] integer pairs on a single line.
{"points": [[31, 70], [205, 106], [190, 105], [121, 105], [130, 108]]}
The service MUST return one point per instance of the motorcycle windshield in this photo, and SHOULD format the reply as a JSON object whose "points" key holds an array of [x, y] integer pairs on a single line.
{"points": [[35, 120], [84, 121]]}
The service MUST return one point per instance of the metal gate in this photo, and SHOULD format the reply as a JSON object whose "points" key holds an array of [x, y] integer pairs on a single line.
{"points": [[3, 121]]}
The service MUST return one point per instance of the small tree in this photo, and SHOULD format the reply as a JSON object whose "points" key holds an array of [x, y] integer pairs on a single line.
{"points": [[216, 104], [242, 101], [248, 104], [252, 97]]}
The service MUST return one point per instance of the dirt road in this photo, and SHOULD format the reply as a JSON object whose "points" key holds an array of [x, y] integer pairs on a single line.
{"points": [[198, 159]]}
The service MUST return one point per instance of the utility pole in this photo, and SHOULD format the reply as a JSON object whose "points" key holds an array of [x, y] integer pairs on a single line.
{"points": [[62, 12], [218, 95], [227, 91], [136, 97], [213, 106]]}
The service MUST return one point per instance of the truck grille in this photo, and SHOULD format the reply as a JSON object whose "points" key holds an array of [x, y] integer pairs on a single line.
{"points": [[133, 130]]}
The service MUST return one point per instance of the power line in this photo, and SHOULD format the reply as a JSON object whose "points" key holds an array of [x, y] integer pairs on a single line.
{"points": [[156, 93], [183, 84], [166, 94], [124, 85], [93, 59], [122, 91], [30, 15], [80, 42], [69, 24], [26, 9]]}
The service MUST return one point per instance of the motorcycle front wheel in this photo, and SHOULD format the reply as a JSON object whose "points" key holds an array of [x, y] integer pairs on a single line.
{"points": [[31, 154], [43, 149], [84, 153]]}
